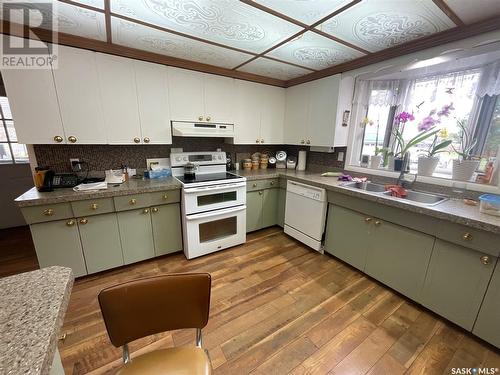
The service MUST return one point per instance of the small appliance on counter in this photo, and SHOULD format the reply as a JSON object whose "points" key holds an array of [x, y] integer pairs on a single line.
{"points": [[47, 180], [281, 160], [291, 162]]}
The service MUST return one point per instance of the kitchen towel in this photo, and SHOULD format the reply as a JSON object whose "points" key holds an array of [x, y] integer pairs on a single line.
{"points": [[301, 164]]}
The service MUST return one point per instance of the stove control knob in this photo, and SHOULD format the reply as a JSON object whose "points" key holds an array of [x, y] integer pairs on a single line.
{"points": [[178, 158], [185, 158]]}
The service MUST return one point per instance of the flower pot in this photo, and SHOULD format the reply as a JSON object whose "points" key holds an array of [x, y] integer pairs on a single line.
{"points": [[390, 163], [464, 169], [398, 164], [375, 161], [427, 165]]}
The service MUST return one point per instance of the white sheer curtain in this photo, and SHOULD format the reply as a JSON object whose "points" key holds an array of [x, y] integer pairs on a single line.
{"points": [[380, 93], [489, 84]]}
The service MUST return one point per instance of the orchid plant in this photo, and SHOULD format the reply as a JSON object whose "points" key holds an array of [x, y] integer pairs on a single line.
{"points": [[467, 142], [429, 122]]}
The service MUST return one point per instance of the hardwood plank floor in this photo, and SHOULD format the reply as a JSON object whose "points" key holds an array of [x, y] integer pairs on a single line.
{"points": [[280, 308]]}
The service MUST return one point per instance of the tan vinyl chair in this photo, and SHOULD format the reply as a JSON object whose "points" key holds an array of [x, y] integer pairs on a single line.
{"points": [[152, 305]]}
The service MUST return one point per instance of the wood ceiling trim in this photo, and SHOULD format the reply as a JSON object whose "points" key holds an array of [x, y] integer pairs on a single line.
{"points": [[441, 4], [443, 37], [107, 18], [329, 36], [133, 53], [289, 63]]}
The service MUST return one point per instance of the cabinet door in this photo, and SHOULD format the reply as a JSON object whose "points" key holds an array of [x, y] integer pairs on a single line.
{"points": [[33, 101], [152, 96], [136, 235], [119, 99], [296, 114], [167, 232], [456, 282], [399, 257], [487, 326], [254, 210], [323, 98], [247, 113], [57, 243], [77, 85], [219, 99], [347, 236], [281, 207], [272, 114], [270, 207], [101, 242], [186, 95]]}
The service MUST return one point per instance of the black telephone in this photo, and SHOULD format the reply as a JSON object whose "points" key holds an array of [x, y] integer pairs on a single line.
{"points": [[49, 180], [64, 180]]}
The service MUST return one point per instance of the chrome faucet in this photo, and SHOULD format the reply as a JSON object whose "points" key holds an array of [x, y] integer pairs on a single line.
{"points": [[401, 179]]}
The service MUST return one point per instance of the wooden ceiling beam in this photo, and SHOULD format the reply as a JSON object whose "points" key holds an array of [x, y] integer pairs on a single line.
{"points": [[441, 4]]}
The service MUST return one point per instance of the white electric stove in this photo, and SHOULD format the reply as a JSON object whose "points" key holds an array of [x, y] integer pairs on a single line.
{"points": [[213, 203]]}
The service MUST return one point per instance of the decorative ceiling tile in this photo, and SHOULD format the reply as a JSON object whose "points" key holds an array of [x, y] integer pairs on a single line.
{"points": [[305, 11], [133, 35], [273, 69], [378, 24], [474, 11], [228, 22], [314, 51], [93, 3]]}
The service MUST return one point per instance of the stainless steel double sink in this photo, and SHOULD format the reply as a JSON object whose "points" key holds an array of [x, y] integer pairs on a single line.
{"points": [[419, 197]]}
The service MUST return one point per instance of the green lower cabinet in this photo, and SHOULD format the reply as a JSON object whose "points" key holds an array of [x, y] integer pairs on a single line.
{"points": [[101, 242], [488, 324], [136, 235], [167, 232], [270, 207], [254, 210], [281, 207], [347, 235], [399, 257], [456, 282], [57, 243]]}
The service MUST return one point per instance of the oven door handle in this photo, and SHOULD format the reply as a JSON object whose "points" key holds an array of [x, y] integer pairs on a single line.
{"points": [[215, 187], [204, 215]]}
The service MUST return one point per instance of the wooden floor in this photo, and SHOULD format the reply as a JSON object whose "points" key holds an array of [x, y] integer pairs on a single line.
{"points": [[278, 308]]}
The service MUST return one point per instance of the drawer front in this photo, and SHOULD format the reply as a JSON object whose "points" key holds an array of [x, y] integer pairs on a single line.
{"points": [[131, 202], [165, 197], [93, 207], [50, 212], [482, 241], [262, 184]]}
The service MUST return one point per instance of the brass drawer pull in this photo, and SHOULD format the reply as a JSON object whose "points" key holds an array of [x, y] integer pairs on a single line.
{"points": [[378, 222], [83, 221], [485, 259], [146, 210], [155, 209], [94, 206], [467, 237], [260, 192], [272, 183], [254, 185], [368, 219], [48, 212], [132, 201], [70, 223], [165, 196]]}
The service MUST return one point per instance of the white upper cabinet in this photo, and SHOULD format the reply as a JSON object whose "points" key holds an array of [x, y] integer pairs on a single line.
{"points": [[272, 114], [33, 101], [152, 96], [296, 114], [119, 99], [77, 85], [200, 97]]}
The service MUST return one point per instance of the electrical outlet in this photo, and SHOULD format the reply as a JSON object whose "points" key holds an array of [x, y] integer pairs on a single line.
{"points": [[340, 156], [75, 165]]}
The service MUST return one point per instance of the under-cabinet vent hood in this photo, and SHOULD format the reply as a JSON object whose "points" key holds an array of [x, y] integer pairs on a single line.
{"points": [[202, 129]]}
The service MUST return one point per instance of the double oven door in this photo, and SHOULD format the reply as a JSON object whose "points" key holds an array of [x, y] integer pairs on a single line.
{"points": [[214, 218]]}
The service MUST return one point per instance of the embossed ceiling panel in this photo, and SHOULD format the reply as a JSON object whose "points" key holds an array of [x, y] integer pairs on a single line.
{"points": [[305, 11], [314, 51], [133, 35], [474, 10], [273, 69], [228, 22], [378, 24], [93, 3]]}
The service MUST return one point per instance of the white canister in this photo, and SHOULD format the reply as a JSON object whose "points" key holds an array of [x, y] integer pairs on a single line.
{"points": [[301, 164]]}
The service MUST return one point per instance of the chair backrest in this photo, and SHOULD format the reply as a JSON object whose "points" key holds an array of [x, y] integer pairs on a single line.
{"points": [[157, 304]]}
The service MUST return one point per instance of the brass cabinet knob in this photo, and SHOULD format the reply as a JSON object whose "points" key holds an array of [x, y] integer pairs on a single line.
{"points": [[260, 192], [132, 201], [302, 142], [94, 206], [146, 210], [155, 209], [200, 118], [308, 142], [48, 212], [137, 140], [378, 222], [83, 221], [70, 223], [368, 219], [257, 141], [467, 237], [72, 138], [262, 141], [272, 183], [147, 140], [254, 185], [58, 139], [485, 259], [208, 118]]}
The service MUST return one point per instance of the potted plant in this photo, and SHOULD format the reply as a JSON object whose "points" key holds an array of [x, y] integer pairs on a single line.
{"points": [[400, 120], [404, 147], [376, 159], [464, 167]]}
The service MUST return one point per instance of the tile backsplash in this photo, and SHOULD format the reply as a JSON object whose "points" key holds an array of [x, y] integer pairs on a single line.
{"points": [[102, 157]]}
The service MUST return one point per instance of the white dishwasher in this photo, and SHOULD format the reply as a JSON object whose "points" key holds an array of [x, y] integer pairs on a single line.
{"points": [[305, 213]]}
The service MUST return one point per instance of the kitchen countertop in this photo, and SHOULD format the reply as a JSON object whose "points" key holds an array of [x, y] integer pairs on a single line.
{"points": [[453, 210], [31, 315], [134, 186]]}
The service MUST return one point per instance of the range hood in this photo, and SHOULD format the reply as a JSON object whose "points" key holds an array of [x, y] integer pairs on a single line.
{"points": [[202, 129]]}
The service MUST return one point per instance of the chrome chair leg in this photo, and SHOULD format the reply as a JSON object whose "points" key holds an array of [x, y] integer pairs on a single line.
{"points": [[199, 339], [126, 354]]}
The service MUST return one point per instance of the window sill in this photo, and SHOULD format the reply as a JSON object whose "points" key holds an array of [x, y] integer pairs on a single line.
{"points": [[429, 180]]}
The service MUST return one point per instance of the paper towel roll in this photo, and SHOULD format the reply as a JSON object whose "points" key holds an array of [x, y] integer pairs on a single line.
{"points": [[301, 164]]}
